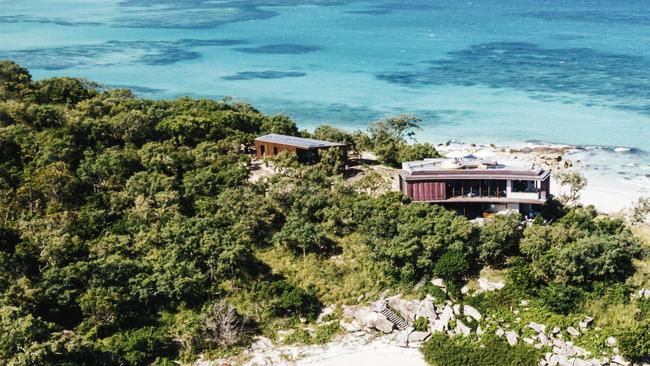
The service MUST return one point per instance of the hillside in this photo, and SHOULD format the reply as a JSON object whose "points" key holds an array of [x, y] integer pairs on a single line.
{"points": [[130, 234]]}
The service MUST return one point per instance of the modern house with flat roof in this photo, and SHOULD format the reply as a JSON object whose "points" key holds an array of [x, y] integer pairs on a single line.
{"points": [[476, 187], [306, 149]]}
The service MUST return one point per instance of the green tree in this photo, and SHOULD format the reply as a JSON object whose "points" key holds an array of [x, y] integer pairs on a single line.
{"points": [[500, 238], [572, 184], [15, 81], [280, 124]]}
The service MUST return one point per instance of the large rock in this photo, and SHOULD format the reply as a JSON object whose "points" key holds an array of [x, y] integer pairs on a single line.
{"points": [[403, 338], [428, 310], [486, 285], [438, 325], [539, 328], [462, 328], [438, 282], [407, 309], [456, 309], [563, 361], [418, 336], [365, 317], [586, 322], [542, 338], [581, 362], [383, 324], [618, 359], [611, 341], [573, 331], [328, 310], [446, 315], [511, 336], [471, 312], [349, 326]]}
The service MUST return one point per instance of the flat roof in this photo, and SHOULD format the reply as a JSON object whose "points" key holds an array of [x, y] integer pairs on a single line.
{"points": [[470, 169], [297, 141]]}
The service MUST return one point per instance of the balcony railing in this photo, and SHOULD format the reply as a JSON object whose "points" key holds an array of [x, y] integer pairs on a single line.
{"points": [[539, 195]]}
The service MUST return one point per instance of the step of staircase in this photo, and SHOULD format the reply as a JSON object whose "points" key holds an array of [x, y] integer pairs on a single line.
{"points": [[399, 322]]}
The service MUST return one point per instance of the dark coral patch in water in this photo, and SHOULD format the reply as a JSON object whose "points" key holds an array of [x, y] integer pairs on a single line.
{"points": [[591, 16], [284, 48], [57, 21], [269, 74], [129, 52], [606, 78], [201, 14]]}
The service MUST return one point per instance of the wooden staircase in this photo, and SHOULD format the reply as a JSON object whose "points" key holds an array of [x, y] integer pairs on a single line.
{"points": [[399, 322]]}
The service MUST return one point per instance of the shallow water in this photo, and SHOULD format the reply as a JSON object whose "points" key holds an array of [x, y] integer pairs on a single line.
{"points": [[506, 72]]}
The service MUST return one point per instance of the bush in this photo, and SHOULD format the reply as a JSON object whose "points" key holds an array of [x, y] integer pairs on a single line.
{"points": [[560, 298], [520, 278], [635, 343], [417, 152], [288, 300], [421, 324], [441, 350], [141, 346], [452, 267], [302, 236], [298, 336], [325, 333], [434, 291], [500, 238]]}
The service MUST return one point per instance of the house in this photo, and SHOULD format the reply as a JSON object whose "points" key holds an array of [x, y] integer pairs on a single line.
{"points": [[476, 187], [306, 149]]}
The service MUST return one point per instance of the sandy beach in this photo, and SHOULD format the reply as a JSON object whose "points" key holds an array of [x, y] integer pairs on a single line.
{"points": [[360, 349]]}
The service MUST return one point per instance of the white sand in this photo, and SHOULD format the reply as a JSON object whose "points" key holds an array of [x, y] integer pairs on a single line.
{"points": [[353, 349], [376, 353]]}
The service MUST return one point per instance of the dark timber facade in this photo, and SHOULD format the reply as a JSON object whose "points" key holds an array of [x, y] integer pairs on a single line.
{"points": [[306, 149], [475, 187]]}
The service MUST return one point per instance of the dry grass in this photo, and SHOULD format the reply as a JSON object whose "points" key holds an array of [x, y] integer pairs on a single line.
{"points": [[642, 231], [340, 279], [641, 278], [489, 273], [619, 316]]}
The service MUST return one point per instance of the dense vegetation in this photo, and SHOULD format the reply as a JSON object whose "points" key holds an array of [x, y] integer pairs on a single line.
{"points": [[130, 233], [442, 350]]}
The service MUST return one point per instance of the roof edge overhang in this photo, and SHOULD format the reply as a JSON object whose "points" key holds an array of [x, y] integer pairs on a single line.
{"points": [[461, 176]]}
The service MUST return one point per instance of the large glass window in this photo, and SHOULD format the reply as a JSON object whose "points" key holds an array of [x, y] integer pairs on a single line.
{"points": [[523, 186]]}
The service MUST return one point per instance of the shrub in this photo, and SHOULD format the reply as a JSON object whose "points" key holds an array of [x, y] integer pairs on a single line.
{"points": [[421, 324], [441, 350], [302, 236], [520, 278], [298, 336], [452, 267], [414, 152], [635, 343], [434, 291], [560, 298], [288, 300], [141, 346], [325, 333], [500, 238]]}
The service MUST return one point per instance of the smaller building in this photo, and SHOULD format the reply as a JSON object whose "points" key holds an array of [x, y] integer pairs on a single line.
{"points": [[476, 187], [306, 149]]}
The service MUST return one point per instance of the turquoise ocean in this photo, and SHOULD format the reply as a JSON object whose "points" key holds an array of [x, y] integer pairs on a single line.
{"points": [[499, 71]]}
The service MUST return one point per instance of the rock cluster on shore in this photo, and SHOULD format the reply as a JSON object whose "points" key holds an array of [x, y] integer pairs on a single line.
{"points": [[466, 321]]}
